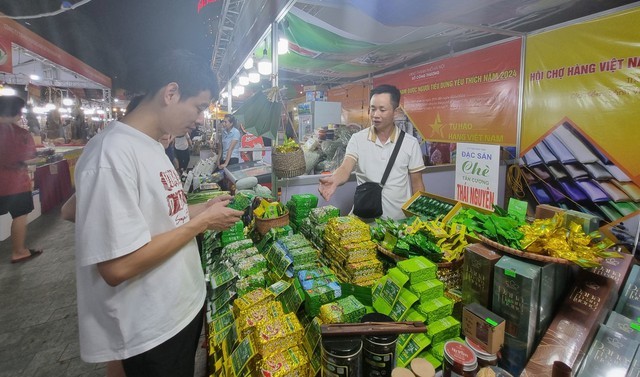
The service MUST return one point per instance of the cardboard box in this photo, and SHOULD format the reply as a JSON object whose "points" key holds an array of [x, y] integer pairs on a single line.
{"points": [[624, 325], [611, 353], [407, 204], [477, 274], [546, 211], [575, 325], [516, 294], [483, 327], [629, 303], [617, 269]]}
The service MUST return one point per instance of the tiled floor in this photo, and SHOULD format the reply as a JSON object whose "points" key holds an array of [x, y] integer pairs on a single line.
{"points": [[38, 317]]}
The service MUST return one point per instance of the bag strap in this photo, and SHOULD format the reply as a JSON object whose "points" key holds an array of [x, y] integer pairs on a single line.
{"points": [[392, 160]]}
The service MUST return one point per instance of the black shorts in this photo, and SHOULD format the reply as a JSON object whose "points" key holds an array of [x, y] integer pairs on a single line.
{"points": [[17, 204], [173, 358]]}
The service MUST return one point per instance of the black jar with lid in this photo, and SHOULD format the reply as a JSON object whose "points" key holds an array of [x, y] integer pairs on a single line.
{"points": [[378, 351], [342, 357]]}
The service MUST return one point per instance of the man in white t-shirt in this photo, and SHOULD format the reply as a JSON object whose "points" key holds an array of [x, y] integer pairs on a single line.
{"points": [[141, 288], [369, 150]]}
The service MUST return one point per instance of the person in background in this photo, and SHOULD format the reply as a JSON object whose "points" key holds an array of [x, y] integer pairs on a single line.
{"points": [[181, 146], [230, 142], [17, 150], [32, 121], [369, 150], [135, 233]]}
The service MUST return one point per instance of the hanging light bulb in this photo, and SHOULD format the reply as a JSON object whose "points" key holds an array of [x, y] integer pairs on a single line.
{"points": [[237, 90], [283, 46], [254, 76], [248, 64], [243, 79], [67, 101], [264, 65]]}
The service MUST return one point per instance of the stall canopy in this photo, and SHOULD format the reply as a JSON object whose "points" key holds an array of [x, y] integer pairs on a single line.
{"points": [[334, 41], [27, 58]]}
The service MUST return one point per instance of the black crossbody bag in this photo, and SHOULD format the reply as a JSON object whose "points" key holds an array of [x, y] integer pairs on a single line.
{"points": [[367, 201]]}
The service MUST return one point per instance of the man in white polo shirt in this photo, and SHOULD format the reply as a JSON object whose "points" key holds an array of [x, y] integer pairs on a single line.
{"points": [[369, 151]]}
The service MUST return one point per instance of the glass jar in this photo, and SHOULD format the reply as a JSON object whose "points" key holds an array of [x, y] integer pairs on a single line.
{"points": [[459, 360], [485, 359], [342, 357]]}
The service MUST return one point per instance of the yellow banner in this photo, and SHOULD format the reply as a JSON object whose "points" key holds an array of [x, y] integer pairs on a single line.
{"points": [[587, 77]]}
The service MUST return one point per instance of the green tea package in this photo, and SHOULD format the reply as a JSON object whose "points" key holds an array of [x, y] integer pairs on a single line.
{"points": [[430, 358], [443, 329], [412, 316], [418, 269], [344, 310], [416, 344], [428, 289], [251, 265], [437, 349], [318, 296], [405, 301], [384, 301], [321, 215], [294, 242], [436, 309]]}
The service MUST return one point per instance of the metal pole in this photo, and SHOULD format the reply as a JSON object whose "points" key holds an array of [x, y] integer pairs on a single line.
{"points": [[274, 83]]}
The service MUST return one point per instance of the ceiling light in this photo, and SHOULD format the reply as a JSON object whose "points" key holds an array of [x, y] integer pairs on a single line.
{"points": [[243, 79], [249, 63], [34, 77], [264, 65], [254, 75], [283, 46], [8, 92]]}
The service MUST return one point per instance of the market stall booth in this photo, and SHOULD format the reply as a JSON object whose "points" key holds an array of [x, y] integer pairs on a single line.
{"points": [[519, 258], [51, 80]]}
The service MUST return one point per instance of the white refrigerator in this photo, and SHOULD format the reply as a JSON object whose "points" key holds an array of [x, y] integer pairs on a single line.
{"points": [[317, 114]]}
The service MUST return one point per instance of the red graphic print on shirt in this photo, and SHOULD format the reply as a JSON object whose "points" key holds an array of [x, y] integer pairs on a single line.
{"points": [[170, 179]]}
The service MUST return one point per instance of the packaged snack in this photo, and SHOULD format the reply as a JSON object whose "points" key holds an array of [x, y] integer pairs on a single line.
{"points": [[345, 310], [405, 300], [291, 362], [252, 298], [436, 309], [278, 334]]}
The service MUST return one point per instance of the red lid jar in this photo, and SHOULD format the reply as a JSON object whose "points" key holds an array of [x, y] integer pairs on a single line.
{"points": [[459, 360]]}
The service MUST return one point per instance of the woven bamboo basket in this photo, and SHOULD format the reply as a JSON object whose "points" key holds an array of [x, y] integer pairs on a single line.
{"points": [[522, 254], [263, 225], [450, 273], [288, 165]]}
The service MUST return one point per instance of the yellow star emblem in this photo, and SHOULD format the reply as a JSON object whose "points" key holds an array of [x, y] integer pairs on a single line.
{"points": [[436, 127]]}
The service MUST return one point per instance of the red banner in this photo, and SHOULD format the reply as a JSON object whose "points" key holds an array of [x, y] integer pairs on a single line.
{"points": [[471, 98], [18, 34]]}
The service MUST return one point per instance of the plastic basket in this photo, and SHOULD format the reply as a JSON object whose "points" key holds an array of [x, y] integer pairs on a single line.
{"points": [[288, 165]]}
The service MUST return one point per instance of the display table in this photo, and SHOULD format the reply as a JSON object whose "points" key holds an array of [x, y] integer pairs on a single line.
{"points": [[71, 154], [259, 169], [54, 182]]}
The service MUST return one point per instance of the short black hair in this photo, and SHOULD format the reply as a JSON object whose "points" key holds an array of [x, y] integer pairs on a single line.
{"points": [[134, 102], [392, 90], [231, 119], [191, 72], [11, 106]]}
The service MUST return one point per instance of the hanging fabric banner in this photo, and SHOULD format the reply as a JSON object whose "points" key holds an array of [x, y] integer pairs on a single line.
{"points": [[582, 88], [471, 98]]}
